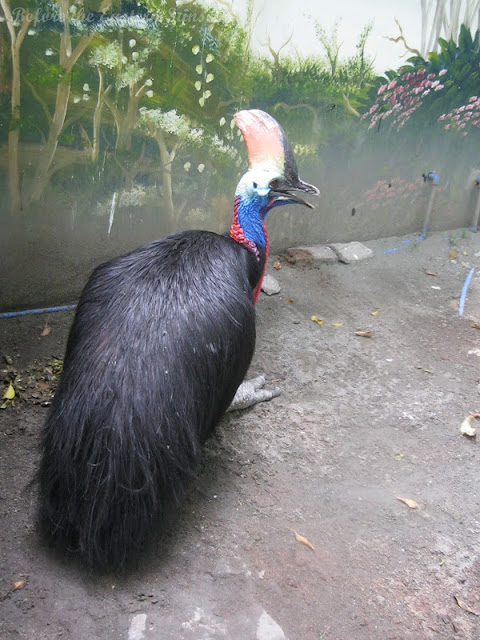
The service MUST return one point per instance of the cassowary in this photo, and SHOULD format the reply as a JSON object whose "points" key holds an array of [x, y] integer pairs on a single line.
{"points": [[161, 341]]}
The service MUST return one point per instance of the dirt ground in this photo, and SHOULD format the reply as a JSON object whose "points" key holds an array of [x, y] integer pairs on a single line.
{"points": [[360, 422]]}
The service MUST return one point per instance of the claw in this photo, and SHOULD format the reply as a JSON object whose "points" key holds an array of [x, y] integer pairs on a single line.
{"points": [[250, 392]]}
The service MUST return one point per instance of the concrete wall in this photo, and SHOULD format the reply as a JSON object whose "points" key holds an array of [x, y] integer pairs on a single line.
{"points": [[370, 189]]}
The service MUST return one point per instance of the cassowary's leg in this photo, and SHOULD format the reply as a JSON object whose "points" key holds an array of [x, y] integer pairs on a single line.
{"points": [[250, 392]]}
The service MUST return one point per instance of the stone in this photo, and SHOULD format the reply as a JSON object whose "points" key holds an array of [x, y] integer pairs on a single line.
{"points": [[268, 629], [310, 254], [270, 286], [351, 251]]}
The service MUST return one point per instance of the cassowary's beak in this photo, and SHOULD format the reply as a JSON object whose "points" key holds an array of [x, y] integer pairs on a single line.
{"points": [[284, 192], [268, 145]]}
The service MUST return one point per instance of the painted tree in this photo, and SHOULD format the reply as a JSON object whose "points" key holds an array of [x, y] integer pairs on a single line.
{"points": [[17, 23], [70, 50], [441, 19]]}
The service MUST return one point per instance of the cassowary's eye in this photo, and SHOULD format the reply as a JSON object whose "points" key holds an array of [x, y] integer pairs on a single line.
{"points": [[274, 183]]}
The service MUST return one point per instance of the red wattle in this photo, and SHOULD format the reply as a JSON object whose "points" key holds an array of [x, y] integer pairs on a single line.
{"points": [[237, 234], [258, 288]]}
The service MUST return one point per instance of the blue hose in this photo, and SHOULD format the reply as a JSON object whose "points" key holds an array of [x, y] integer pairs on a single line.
{"points": [[14, 314], [463, 295]]}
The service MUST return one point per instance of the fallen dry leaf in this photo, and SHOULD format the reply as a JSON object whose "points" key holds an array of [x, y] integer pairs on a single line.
{"points": [[9, 393], [364, 334], [277, 265], [465, 607], [411, 504], [419, 366], [46, 330], [289, 300], [467, 429], [18, 585], [7, 396], [317, 320], [453, 255], [337, 324], [304, 541], [374, 313], [430, 273], [475, 326]]}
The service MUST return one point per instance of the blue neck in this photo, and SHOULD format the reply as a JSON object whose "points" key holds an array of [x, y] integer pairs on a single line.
{"points": [[250, 218]]}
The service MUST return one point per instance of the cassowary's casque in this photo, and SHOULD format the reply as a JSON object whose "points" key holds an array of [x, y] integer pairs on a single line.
{"points": [[161, 340]]}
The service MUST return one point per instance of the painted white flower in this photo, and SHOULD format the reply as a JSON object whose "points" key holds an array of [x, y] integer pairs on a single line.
{"points": [[135, 55], [31, 32], [209, 58], [124, 59], [196, 134], [199, 69], [148, 82], [195, 49], [187, 166], [76, 99], [232, 124], [86, 87], [198, 85], [207, 94], [49, 52], [132, 43], [201, 101], [200, 168], [149, 93], [86, 96], [209, 77], [222, 121]]}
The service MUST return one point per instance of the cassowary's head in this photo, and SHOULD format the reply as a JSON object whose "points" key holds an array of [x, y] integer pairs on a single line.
{"points": [[272, 178]]}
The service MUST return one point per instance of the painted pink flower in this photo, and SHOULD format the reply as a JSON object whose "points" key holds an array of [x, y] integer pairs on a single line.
{"points": [[473, 98], [392, 84], [382, 89], [442, 72], [439, 87], [447, 126]]}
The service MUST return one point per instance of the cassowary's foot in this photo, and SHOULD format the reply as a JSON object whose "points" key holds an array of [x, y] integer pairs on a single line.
{"points": [[250, 392]]}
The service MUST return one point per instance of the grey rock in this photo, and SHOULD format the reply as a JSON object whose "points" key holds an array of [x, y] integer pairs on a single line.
{"points": [[316, 253], [268, 629], [270, 286], [351, 251]]}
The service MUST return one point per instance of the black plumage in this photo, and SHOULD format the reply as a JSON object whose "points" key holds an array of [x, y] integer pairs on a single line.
{"points": [[161, 340], [133, 357]]}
